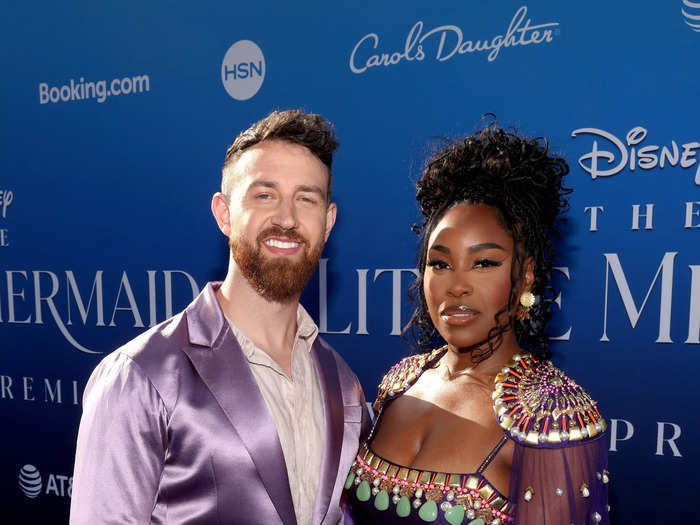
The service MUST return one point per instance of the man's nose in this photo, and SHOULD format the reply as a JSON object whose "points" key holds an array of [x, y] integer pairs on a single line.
{"points": [[285, 215]]}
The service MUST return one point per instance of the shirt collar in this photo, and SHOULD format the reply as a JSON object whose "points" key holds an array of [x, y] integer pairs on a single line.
{"points": [[307, 330]]}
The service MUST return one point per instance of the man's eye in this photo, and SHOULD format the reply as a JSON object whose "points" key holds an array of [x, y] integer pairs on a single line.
{"points": [[263, 196], [306, 199]]}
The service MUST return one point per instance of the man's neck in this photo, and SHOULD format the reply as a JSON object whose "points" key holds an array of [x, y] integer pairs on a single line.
{"points": [[271, 326]]}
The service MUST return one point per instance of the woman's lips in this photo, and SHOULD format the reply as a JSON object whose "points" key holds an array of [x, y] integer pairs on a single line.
{"points": [[458, 315]]}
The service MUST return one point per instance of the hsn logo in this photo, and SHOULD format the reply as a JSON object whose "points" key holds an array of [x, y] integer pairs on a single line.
{"points": [[243, 70]]}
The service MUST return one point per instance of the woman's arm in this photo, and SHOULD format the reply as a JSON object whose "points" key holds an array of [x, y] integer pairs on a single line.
{"points": [[560, 486]]}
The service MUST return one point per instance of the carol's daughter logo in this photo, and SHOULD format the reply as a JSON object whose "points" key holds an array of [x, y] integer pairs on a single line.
{"points": [[447, 41], [631, 154]]}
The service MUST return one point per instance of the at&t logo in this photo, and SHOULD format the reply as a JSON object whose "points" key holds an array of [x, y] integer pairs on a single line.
{"points": [[243, 70], [691, 14], [30, 481], [31, 484]]}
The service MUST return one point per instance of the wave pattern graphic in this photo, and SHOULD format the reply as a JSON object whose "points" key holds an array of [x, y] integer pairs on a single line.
{"points": [[30, 481], [691, 14]]}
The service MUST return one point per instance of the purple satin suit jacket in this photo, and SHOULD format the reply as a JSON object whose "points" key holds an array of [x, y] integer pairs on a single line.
{"points": [[174, 430]]}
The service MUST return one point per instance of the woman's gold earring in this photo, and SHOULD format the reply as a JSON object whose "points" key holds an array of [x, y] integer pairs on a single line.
{"points": [[527, 299]]}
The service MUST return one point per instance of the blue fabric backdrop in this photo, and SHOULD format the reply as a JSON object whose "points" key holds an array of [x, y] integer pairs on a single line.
{"points": [[115, 120]]}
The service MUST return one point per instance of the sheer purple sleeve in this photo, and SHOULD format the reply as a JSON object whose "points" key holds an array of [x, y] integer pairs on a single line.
{"points": [[561, 485]]}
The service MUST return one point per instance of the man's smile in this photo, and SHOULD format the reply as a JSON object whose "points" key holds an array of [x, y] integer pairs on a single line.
{"points": [[282, 245]]}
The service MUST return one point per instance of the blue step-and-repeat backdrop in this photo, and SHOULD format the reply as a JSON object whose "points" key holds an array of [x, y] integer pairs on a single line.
{"points": [[116, 117]]}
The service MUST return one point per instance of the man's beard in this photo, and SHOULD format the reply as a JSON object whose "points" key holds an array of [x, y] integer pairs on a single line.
{"points": [[275, 279]]}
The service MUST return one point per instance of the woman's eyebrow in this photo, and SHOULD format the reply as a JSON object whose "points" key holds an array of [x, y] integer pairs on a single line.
{"points": [[440, 248], [485, 246]]}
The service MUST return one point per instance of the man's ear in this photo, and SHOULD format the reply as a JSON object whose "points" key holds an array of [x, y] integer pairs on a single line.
{"points": [[331, 214], [219, 208]]}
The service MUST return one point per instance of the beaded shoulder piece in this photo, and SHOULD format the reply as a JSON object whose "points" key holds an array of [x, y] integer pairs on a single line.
{"points": [[540, 406], [403, 374]]}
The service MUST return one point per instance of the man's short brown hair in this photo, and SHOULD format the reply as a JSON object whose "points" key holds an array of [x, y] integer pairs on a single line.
{"points": [[306, 129]]}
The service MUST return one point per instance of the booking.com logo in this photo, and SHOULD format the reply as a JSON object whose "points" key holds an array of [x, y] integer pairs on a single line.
{"points": [[99, 90], [31, 483], [243, 70]]}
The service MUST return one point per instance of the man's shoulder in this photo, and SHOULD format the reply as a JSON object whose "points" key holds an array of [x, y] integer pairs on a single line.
{"points": [[165, 338], [161, 346], [152, 357]]}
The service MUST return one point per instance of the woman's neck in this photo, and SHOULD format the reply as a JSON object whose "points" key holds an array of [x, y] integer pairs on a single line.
{"points": [[459, 362]]}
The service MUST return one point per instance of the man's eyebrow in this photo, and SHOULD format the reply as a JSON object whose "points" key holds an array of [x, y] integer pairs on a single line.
{"points": [[264, 183], [311, 189]]}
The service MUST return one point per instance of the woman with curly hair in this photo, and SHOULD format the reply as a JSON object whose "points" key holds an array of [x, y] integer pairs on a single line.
{"points": [[484, 430]]}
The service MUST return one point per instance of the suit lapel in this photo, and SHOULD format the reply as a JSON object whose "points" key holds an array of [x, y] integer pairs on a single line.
{"points": [[220, 363], [333, 407]]}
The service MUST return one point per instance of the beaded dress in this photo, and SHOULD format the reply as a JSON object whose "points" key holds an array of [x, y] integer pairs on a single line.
{"points": [[559, 471]]}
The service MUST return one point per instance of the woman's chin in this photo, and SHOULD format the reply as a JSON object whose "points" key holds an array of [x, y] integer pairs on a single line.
{"points": [[466, 344]]}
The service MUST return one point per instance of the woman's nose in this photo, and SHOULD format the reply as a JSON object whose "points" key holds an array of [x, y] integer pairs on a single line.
{"points": [[460, 287]]}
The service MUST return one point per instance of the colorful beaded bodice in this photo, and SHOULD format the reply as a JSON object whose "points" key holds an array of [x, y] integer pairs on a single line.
{"points": [[455, 496], [536, 405]]}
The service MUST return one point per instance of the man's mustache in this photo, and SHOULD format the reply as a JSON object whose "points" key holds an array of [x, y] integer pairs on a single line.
{"points": [[277, 231]]}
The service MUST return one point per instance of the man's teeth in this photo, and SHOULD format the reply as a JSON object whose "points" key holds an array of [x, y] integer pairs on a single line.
{"points": [[281, 244]]}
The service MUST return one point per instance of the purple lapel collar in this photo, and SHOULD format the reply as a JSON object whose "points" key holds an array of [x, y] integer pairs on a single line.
{"points": [[220, 363], [333, 406]]}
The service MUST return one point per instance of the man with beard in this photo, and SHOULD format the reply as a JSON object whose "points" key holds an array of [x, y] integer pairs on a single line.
{"points": [[234, 411]]}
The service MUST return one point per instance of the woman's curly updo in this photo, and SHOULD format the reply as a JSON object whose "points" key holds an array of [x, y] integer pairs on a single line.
{"points": [[523, 182]]}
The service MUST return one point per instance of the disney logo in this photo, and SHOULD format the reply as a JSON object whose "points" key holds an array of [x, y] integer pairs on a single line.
{"points": [[451, 42], [627, 155], [6, 197]]}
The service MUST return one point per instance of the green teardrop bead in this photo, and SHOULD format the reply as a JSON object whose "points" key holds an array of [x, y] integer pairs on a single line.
{"points": [[349, 480], [381, 501], [477, 521], [403, 507], [363, 491], [454, 515], [428, 511]]}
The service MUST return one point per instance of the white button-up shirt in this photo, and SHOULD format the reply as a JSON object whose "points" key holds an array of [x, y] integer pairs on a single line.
{"points": [[296, 406]]}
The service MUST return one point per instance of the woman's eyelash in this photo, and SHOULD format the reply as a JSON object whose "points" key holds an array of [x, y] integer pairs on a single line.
{"points": [[437, 263], [487, 262]]}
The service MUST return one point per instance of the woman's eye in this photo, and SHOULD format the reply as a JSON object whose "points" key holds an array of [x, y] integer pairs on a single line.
{"points": [[437, 264], [486, 263], [263, 196]]}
